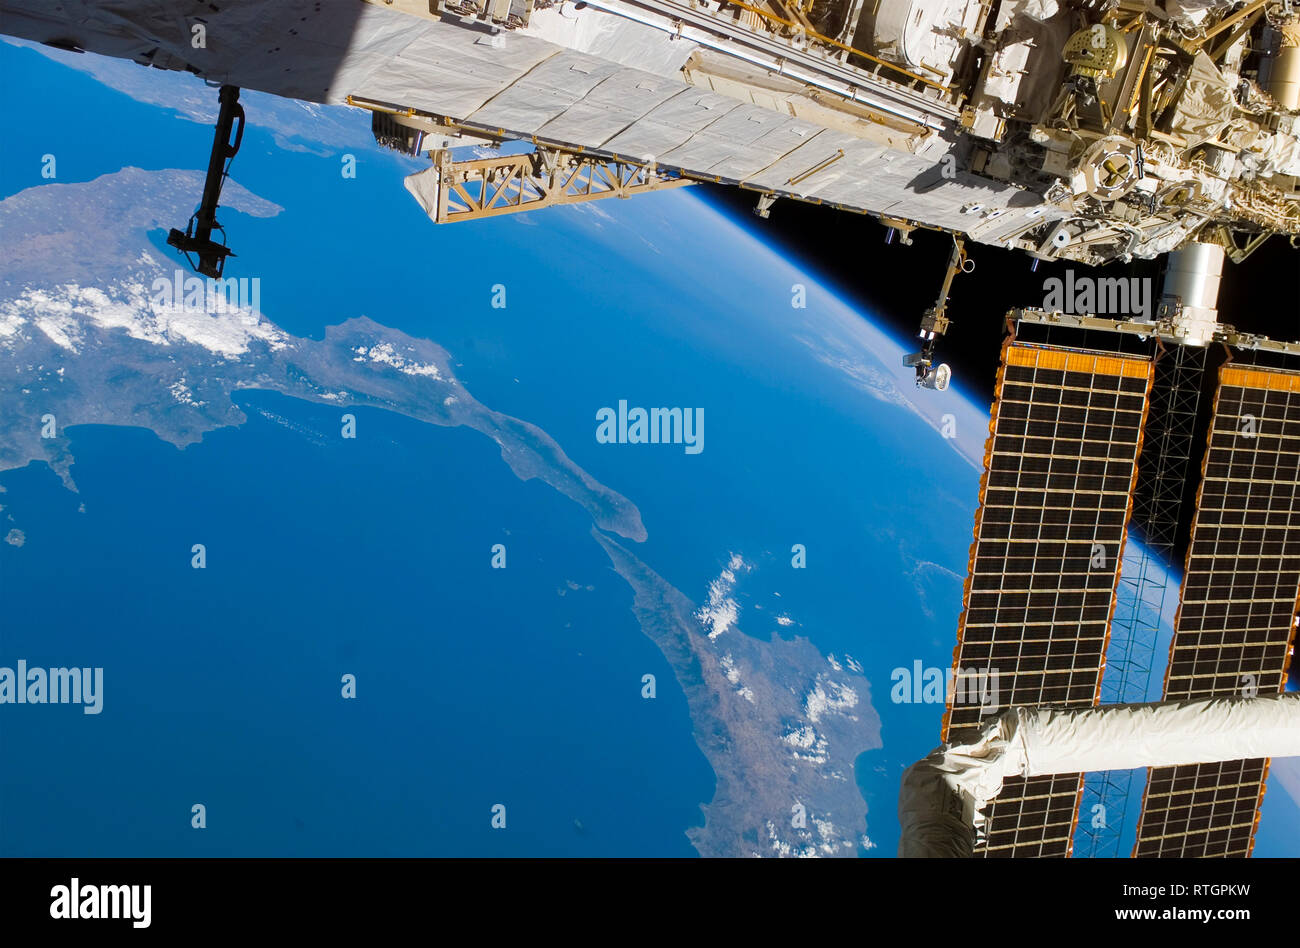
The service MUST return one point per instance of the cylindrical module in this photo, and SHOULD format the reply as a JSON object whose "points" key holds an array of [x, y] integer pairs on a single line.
{"points": [[946, 794], [1125, 737], [1282, 75], [1192, 278]]}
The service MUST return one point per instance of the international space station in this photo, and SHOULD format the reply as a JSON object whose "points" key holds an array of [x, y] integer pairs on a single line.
{"points": [[1089, 131], [1065, 466]]}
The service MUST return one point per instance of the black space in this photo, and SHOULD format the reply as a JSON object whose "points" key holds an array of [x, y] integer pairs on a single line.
{"points": [[895, 284]]}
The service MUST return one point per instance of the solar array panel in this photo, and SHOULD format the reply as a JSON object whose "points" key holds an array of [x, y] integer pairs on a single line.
{"points": [[1055, 500], [1241, 587]]}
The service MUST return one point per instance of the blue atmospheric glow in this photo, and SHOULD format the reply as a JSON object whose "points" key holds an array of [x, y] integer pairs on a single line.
{"points": [[220, 687]]}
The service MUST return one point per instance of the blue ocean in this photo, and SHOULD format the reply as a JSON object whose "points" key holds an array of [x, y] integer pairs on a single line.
{"points": [[371, 557]]}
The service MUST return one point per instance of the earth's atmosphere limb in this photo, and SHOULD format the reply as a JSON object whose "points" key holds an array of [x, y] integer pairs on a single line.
{"points": [[91, 343]]}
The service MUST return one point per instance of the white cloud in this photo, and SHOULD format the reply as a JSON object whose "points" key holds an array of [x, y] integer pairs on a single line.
{"points": [[828, 696], [64, 313], [385, 354], [806, 744], [181, 392], [802, 736], [721, 612], [733, 675], [10, 323], [62, 330]]}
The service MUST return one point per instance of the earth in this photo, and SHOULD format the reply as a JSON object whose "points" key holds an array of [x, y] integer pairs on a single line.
{"points": [[361, 563]]}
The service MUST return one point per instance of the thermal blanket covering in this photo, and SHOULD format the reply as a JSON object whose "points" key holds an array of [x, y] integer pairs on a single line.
{"points": [[943, 796]]}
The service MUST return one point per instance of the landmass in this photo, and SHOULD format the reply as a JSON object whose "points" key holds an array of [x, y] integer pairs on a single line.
{"points": [[86, 338], [780, 724], [96, 346]]}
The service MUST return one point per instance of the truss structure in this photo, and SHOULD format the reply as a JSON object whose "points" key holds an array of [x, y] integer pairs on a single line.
{"points": [[490, 187]]}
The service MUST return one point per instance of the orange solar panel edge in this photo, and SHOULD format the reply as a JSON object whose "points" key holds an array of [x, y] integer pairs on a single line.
{"points": [[1251, 377], [1046, 357]]}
